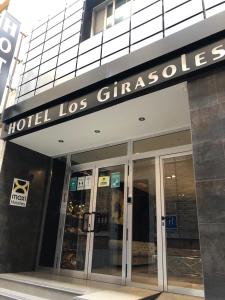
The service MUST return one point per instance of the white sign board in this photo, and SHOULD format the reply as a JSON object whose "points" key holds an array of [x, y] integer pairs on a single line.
{"points": [[19, 193], [88, 182], [80, 183]]}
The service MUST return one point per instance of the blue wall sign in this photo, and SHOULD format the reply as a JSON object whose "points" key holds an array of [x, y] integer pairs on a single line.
{"points": [[171, 222]]}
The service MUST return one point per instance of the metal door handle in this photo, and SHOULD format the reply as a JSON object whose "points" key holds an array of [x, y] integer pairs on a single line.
{"points": [[83, 222]]}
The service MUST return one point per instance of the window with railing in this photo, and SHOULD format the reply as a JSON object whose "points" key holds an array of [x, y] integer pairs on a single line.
{"points": [[58, 52]]}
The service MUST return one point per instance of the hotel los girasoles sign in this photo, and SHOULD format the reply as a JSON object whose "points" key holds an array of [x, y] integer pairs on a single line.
{"points": [[118, 90]]}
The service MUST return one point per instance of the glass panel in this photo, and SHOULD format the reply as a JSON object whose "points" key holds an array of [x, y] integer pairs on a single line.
{"points": [[75, 237], [55, 20], [52, 42], [44, 88], [88, 68], [115, 56], [73, 8], [162, 142], [184, 267], [64, 79], [146, 30], [36, 42], [56, 29], [116, 30], [89, 57], [39, 30], [168, 4], [50, 53], [71, 31], [216, 10], [109, 16], [210, 3], [90, 43], [122, 10], [67, 55], [70, 42], [27, 87], [30, 75], [46, 78], [146, 42], [108, 234], [48, 65], [183, 12], [66, 68], [99, 20], [99, 154], [138, 5], [33, 63], [146, 14], [115, 45], [144, 239], [27, 96], [35, 52], [72, 20], [184, 24]]}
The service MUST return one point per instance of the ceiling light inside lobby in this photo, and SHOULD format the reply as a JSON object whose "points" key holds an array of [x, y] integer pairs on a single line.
{"points": [[141, 119], [97, 131]]}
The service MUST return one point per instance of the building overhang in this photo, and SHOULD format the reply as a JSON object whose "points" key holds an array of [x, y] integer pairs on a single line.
{"points": [[169, 50]]}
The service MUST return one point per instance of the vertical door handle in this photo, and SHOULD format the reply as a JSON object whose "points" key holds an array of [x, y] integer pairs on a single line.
{"points": [[83, 222]]}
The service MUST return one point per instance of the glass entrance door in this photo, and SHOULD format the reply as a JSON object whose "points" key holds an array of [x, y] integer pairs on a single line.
{"points": [[108, 238], [181, 251], [164, 250], [76, 238], [94, 243]]}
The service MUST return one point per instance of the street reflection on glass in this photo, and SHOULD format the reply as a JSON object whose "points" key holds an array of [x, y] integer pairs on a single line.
{"points": [[184, 267], [108, 235], [75, 232], [144, 242]]}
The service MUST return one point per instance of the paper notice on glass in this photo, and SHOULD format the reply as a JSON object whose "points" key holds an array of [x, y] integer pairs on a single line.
{"points": [[80, 183], [103, 181], [88, 183]]}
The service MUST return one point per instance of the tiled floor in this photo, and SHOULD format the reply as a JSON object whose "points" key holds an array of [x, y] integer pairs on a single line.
{"points": [[50, 286]]}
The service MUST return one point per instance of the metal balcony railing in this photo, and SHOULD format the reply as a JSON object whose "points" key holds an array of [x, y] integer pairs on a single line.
{"points": [[56, 53]]}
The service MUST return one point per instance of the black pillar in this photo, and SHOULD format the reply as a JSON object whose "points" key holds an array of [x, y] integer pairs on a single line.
{"points": [[207, 111]]}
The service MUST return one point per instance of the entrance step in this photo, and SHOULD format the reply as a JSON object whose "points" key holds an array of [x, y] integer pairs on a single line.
{"points": [[170, 296], [112, 295], [21, 291], [50, 286]]}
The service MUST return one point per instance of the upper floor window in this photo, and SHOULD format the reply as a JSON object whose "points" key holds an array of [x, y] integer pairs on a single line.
{"points": [[110, 13]]}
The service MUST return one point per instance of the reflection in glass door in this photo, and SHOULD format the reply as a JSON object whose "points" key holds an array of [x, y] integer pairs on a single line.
{"points": [[182, 259], [107, 257], [77, 221], [93, 241], [144, 226], [164, 245]]}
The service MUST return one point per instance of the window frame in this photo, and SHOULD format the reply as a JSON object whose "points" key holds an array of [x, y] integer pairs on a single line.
{"points": [[105, 5]]}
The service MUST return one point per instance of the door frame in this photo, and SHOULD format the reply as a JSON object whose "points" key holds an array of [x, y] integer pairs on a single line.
{"points": [[87, 274], [159, 155], [166, 287], [127, 234]]}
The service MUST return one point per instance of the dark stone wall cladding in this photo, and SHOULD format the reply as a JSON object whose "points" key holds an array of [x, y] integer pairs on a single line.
{"points": [[50, 232], [20, 227], [207, 109]]}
